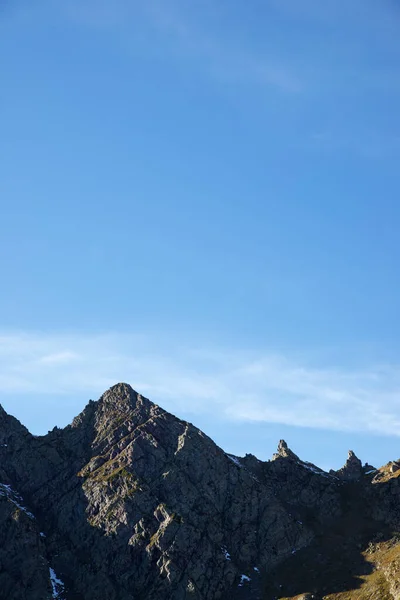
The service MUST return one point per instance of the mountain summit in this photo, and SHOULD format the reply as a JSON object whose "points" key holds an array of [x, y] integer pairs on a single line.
{"points": [[131, 503]]}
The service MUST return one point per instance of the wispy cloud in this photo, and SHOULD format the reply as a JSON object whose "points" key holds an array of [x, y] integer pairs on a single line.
{"points": [[232, 384], [170, 29], [59, 358]]}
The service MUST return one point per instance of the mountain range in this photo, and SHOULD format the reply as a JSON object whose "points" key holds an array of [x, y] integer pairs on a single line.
{"points": [[131, 503]]}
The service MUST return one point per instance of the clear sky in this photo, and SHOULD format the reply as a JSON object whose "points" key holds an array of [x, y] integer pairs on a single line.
{"points": [[201, 198]]}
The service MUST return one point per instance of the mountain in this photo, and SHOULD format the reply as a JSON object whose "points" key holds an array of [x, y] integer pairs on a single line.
{"points": [[131, 503]]}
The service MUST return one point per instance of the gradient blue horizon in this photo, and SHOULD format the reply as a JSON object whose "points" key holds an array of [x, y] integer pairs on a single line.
{"points": [[213, 171]]}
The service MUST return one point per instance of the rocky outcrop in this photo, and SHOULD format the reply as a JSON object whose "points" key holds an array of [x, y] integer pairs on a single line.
{"points": [[130, 502], [352, 470], [284, 451]]}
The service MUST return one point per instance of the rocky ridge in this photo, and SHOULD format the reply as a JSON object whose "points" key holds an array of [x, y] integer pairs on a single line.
{"points": [[130, 502]]}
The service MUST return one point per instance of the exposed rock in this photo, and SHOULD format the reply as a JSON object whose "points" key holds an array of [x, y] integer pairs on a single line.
{"points": [[284, 451], [352, 470], [130, 502], [24, 571], [129, 486]]}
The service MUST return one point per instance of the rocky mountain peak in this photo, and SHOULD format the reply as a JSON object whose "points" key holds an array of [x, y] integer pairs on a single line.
{"points": [[282, 445], [11, 430], [120, 396], [118, 392], [132, 502], [352, 469], [118, 403], [283, 451], [123, 398]]}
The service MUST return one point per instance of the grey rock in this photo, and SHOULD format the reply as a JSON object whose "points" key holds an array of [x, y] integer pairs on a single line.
{"points": [[352, 470], [284, 451], [137, 504]]}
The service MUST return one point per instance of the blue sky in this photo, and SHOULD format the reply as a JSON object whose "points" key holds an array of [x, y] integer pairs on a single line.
{"points": [[201, 198]]}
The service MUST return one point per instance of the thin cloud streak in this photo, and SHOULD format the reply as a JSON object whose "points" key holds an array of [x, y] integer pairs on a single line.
{"points": [[232, 385], [164, 27]]}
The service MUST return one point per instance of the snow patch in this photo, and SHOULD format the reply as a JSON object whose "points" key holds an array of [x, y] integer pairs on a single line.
{"points": [[6, 490], [256, 569], [243, 579], [57, 585], [315, 470], [226, 553], [235, 460]]}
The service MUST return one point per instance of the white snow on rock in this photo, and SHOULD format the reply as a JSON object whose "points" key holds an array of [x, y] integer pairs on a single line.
{"points": [[256, 569], [6, 490], [243, 579], [235, 460], [226, 553], [316, 470], [57, 585]]}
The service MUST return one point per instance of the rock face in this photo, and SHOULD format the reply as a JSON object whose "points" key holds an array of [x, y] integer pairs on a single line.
{"points": [[352, 470], [131, 503], [284, 451], [24, 572]]}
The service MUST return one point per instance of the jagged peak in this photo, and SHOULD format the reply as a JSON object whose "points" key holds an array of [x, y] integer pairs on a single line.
{"points": [[119, 398], [121, 387], [352, 458], [123, 397], [352, 469], [119, 391], [283, 451], [12, 432]]}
